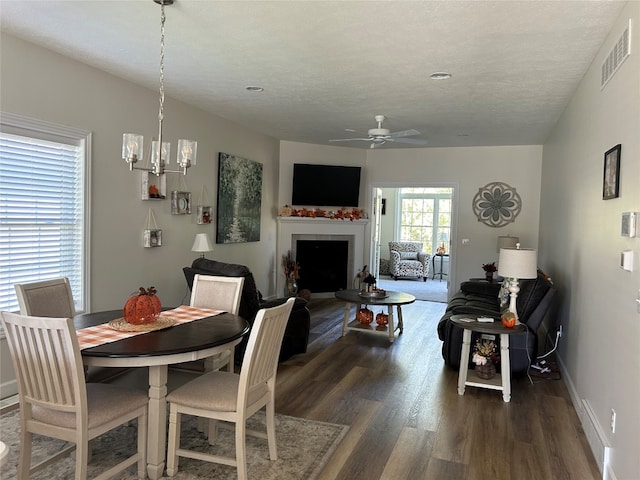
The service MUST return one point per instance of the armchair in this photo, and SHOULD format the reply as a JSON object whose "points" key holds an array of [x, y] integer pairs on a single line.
{"points": [[406, 259]]}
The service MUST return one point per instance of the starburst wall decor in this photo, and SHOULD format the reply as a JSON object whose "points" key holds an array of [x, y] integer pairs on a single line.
{"points": [[497, 204]]}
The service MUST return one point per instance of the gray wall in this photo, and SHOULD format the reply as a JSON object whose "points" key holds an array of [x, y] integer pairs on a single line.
{"points": [[581, 244]]}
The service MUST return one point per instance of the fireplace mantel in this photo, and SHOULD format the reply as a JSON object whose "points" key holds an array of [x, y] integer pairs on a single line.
{"points": [[292, 228]]}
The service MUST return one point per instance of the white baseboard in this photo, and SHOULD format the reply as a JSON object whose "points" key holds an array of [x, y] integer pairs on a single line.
{"points": [[593, 430], [8, 389]]}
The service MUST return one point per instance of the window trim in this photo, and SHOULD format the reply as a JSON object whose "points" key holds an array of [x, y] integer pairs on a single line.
{"points": [[21, 125]]}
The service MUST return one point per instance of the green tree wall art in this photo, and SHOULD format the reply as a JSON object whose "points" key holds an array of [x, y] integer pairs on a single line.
{"points": [[239, 199]]}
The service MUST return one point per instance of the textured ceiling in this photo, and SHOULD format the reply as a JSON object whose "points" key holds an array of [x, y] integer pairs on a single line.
{"points": [[327, 66]]}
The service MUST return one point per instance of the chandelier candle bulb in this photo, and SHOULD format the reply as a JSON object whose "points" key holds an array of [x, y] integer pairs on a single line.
{"points": [[187, 152], [164, 156], [132, 147]]}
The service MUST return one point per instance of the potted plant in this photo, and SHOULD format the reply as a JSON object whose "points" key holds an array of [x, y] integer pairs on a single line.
{"points": [[489, 268], [483, 353]]}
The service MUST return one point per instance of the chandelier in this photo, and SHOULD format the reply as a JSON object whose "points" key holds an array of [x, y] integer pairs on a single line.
{"points": [[133, 144]]}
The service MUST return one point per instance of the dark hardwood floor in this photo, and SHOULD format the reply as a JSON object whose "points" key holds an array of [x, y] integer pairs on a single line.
{"points": [[407, 420]]}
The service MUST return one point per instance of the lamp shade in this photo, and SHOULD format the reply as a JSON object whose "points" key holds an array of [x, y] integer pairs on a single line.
{"points": [[201, 243], [506, 241], [518, 263]]}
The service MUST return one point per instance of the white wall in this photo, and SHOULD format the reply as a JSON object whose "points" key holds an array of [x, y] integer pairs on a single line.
{"points": [[468, 169], [44, 85], [581, 243]]}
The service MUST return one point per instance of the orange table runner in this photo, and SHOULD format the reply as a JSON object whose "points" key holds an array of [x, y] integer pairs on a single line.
{"points": [[101, 334]]}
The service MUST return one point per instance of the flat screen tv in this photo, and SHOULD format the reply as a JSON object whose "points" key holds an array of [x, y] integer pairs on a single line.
{"points": [[325, 185]]}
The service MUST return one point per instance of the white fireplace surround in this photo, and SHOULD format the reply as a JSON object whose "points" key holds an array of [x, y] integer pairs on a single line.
{"points": [[292, 229]]}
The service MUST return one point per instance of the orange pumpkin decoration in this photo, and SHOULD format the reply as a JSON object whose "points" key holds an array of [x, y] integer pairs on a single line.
{"points": [[142, 308], [509, 319], [382, 319], [365, 316]]}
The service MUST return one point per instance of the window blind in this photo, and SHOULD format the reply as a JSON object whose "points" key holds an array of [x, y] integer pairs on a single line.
{"points": [[42, 183]]}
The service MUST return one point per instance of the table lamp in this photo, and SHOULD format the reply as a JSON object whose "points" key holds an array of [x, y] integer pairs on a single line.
{"points": [[201, 244], [514, 264]]}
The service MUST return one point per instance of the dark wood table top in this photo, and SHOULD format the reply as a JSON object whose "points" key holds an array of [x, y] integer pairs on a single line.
{"points": [[494, 327], [392, 298], [186, 337]]}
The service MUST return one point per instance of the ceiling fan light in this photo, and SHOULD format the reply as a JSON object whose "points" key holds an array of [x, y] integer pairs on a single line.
{"points": [[440, 76]]}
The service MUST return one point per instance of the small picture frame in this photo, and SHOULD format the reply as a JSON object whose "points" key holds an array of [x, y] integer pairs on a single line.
{"points": [[180, 203], [611, 177], [152, 238], [628, 224], [205, 215]]}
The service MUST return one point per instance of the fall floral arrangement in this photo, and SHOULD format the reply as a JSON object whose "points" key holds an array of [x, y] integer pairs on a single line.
{"points": [[290, 266], [483, 351], [489, 267], [340, 214]]}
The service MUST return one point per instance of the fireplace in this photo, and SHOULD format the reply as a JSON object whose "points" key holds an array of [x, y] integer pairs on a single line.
{"points": [[325, 234], [323, 265]]}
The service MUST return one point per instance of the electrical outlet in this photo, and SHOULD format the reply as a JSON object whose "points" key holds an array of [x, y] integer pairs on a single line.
{"points": [[560, 331], [613, 421]]}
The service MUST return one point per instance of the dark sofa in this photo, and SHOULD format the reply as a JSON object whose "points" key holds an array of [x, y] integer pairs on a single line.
{"points": [[296, 335], [482, 299]]}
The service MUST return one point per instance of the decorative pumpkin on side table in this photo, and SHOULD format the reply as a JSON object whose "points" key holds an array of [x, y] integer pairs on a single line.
{"points": [[142, 308], [365, 316], [509, 319], [382, 319]]}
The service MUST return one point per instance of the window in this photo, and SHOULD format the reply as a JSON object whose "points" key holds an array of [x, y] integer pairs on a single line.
{"points": [[44, 200], [425, 216]]}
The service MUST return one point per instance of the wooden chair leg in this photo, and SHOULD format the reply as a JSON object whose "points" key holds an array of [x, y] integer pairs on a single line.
{"points": [[241, 452], [174, 441], [271, 430]]}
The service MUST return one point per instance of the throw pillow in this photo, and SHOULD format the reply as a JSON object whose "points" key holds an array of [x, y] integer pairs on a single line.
{"points": [[408, 255]]}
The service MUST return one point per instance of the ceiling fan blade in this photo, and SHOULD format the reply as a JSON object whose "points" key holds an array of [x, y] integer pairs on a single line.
{"points": [[349, 139], [412, 141], [404, 133]]}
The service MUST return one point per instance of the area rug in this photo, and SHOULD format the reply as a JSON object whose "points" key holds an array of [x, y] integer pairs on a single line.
{"points": [[304, 447], [433, 290]]}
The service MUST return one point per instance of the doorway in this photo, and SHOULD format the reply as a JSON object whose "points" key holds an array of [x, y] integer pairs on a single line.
{"points": [[425, 214]]}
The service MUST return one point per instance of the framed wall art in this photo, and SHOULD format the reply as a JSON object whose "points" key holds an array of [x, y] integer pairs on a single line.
{"points": [[205, 215], [497, 204], [239, 199], [611, 177], [180, 203], [151, 235]]}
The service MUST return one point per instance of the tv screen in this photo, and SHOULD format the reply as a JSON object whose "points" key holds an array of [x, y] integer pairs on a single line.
{"points": [[325, 185]]}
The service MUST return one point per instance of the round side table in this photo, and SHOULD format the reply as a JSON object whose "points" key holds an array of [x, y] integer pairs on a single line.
{"points": [[501, 381]]}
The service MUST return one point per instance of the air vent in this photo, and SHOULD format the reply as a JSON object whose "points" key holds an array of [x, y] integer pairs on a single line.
{"points": [[621, 50]]}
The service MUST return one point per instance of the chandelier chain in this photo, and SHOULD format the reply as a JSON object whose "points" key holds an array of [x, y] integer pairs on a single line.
{"points": [[161, 108]]}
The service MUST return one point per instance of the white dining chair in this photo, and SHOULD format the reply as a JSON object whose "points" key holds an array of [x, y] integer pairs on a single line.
{"points": [[56, 402], [48, 298], [232, 397], [54, 298], [218, 293]]}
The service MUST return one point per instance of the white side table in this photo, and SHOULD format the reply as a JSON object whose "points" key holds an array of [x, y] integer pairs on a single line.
{"points": [[502, 380]]}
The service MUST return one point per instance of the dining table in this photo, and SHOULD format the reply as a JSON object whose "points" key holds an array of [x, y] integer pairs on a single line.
{"points": [[157, 349]]}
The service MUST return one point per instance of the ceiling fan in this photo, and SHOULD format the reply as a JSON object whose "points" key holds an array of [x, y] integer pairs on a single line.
{"points": [[380, 136]]}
